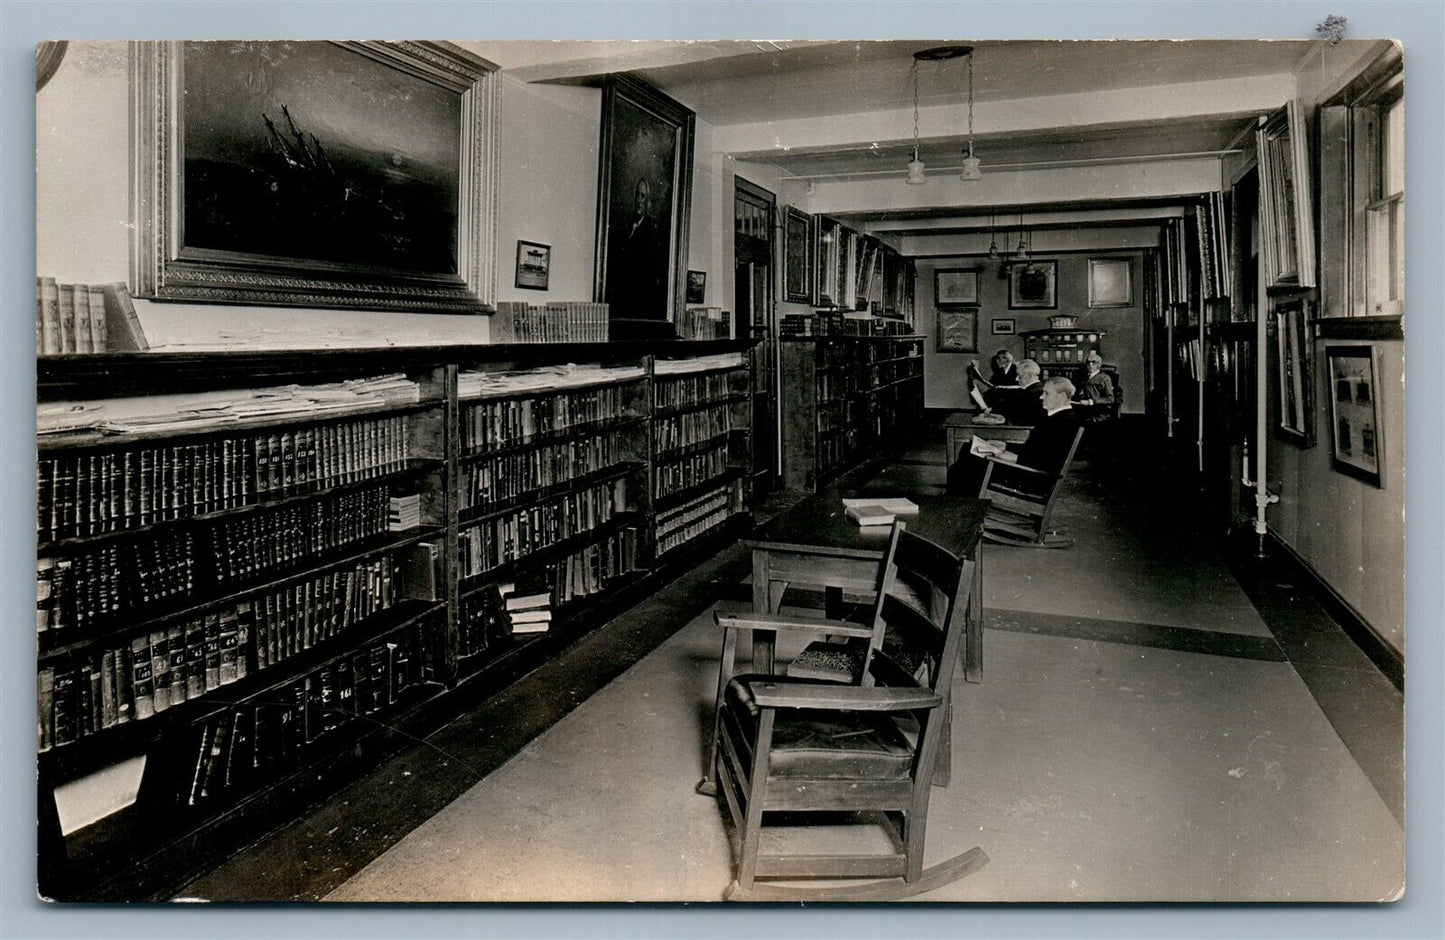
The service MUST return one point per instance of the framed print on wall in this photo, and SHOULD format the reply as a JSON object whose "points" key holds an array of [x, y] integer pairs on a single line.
{"points": [[1033, 285], [320, 174], [1358, 449], [534, 265], [1111, 282], [797, 256], [1004, 328], [1294, 372], [955, 287], [957, 330], [644, 199], [696, 286]]}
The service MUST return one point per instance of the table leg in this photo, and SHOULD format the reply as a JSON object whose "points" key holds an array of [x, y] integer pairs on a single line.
{"points": [[973, 636]]}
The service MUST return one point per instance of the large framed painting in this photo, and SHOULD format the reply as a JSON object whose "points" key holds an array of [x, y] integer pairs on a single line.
{"points": [[1294, 372], [1111, 282], [955, 287], [325, 174], [1355, 412], [957, 330], [644, 196], [797, 256], [1033, 285]]}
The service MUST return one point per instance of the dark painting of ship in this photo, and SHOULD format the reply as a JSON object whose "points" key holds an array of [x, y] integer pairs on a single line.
{"points": [[303, 151]]}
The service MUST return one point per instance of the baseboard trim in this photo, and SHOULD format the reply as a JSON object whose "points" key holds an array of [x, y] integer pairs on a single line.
{"points": [[1386, 658]]}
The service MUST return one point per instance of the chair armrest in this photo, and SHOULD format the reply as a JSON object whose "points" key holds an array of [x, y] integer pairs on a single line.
{"points": [[1018, 466], [771, 692], [787, 622]]}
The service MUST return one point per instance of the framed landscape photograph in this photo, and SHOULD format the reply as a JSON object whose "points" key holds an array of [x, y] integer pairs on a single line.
{"points": [[1294, 372], [644, 195], [1111, 282], [534, 263], [797, 256], [1004, 328], [1033, 285], [955, 287], [323, 174], [957, 330], [1355, 412]]}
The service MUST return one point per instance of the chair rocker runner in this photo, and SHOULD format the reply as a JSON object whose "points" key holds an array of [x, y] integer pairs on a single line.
{"points": [[1022, 506], [855, 755]]}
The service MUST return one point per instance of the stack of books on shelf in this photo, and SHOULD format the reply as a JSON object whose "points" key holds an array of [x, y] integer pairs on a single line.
{"points": [[732, 360], [404, 512], [796, 324], [489, 384], [878, 511], [570, 321], [698, 323], [526, 613], [69, 318]]}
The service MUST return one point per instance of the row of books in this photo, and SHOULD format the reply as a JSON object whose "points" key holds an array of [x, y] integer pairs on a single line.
{"points": [[508, 537], [1212, 243], [156, 669], [74, 594], [691, 427], [484, 620], [93, 493], [134, 680], [568, 321], [509, 475], [69, 318], [689, 470], [243, 547], [664, 368], [239, 748], [682, 391], [513, 421], [593, 568], [704, 323], [697, 516]]}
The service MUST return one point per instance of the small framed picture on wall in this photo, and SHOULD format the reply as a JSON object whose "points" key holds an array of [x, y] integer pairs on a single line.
{"points": [[1355, 412], [696, 286], [1003, 328], [534, 265]]}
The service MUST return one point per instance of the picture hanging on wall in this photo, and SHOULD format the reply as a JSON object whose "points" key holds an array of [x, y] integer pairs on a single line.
{"points": [[955, 287], [534, 265], [1294, 372], [320, 174], [797, 257], [957, 330], [1355, 412], [644, 197], [1111, 282], [696, 286], [1033, 285], [1004, 328]]}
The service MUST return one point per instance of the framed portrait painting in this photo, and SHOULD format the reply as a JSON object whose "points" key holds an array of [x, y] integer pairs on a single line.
{"points": [[1358, 449], [957, 330], [696, 287], [1294, 372], [323, 174], [955, 287], [1033, 285], [797, 256], [644, 196]]}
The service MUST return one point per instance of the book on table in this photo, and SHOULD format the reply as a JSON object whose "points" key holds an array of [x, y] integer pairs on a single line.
{"points": [[878, 511]]}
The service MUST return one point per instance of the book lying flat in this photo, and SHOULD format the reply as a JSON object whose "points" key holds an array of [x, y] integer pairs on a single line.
{"points": [[897, 505], [529, 602], [870, 515], [539, 627], [531, 616]]}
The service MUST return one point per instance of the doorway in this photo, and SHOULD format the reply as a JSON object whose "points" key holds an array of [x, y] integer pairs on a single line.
{"points": [[754, 211]]}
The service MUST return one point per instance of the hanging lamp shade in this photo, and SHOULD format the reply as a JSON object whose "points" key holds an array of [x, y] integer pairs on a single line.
{"points": [[915, 171]]}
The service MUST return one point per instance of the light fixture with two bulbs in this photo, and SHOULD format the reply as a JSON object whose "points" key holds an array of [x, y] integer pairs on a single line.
{"points": [[972, 169]]}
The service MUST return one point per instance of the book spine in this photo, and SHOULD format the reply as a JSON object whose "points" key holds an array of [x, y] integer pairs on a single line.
{"points": [[66, 302]]}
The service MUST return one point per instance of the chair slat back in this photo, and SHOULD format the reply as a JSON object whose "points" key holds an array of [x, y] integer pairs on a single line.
{"points": [[924, 603]]}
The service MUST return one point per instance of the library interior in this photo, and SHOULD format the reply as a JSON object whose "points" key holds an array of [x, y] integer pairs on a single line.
{"points": [[765, 471]]}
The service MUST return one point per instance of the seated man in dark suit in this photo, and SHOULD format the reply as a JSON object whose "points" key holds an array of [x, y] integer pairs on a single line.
{"points": [[1004, 375], [1020, 405], [1096, 398], [1045, 449]]}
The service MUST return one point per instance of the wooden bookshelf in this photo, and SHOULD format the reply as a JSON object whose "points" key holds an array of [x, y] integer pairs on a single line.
{"points": [[844, 397], [562, 478]]}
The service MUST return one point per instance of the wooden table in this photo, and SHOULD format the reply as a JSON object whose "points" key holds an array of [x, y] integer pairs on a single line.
{"points": [[817, 545], [960, 429]]}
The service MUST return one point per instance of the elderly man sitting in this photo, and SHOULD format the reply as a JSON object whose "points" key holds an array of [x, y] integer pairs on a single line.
{"points": [[1046, 448], [1021, 404]]}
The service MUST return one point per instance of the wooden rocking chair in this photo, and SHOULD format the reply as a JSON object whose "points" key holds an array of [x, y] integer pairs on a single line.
{"points": [[1020, 514]]}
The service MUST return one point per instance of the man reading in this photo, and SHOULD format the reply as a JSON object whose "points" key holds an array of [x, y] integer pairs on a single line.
{"points": [[1045, 449]]}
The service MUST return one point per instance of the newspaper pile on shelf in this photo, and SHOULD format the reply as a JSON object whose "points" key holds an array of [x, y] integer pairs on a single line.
{"points": [[730, 360], [546, 378]]}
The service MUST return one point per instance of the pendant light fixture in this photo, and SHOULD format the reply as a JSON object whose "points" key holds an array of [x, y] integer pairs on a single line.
{"points": [[992, 244], [1023, 250], [971, 168], [915, 166]]}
